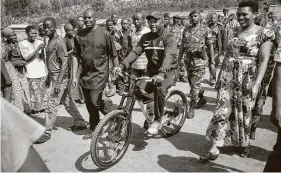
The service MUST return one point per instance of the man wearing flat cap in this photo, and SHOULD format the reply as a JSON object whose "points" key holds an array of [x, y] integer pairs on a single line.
{"points": [[160, 47], [177, 30], [196, 40]]}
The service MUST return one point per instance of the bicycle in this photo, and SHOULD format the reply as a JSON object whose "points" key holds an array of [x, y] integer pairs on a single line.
{"points": [[112, 135]]}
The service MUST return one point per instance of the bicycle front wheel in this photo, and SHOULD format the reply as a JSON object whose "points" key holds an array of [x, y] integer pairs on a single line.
{"points": [[175, 113], [111, 139]]}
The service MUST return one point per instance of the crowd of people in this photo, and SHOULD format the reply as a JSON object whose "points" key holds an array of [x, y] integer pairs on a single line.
{"points": [[45, 70]]}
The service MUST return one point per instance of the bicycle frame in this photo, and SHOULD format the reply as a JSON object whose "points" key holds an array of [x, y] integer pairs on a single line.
{"points": [[131, 97]]}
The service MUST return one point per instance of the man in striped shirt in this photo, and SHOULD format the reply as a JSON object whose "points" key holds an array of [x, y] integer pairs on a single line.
{"points": [[139, 66]]}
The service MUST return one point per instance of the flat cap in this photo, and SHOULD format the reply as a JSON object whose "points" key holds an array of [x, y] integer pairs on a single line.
{"points": [[154, 16]]}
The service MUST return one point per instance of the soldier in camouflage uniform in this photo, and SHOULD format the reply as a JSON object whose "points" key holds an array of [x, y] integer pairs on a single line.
{"points": [[264, 21], [197, 38], [177, 30]]}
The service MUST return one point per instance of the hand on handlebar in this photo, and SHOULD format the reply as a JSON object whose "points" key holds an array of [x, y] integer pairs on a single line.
{"points": [[117, 71], [157, 79]]}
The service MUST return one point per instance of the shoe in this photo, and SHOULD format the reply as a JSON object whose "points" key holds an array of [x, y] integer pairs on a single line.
{"points": [[154, 128], [183, 79], [201, 103], [212, 82], [121, 91], [191, 113], [77, 127], [209, 156], [245, 152], [87, 136], [45, 137]]}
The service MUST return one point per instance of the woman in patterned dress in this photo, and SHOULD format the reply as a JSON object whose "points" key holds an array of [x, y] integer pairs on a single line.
{"points": [[36, 70], [238, 83], [15, 66]]}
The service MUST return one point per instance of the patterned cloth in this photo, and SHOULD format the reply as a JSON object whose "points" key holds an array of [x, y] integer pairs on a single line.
{"points": [[20, 96], [38, 93], [231, 124], [267, 23]]}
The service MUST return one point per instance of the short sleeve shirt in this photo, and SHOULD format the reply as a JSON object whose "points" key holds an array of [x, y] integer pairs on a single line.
{"points": [[35, 68], [56, 49], [95, 47], [18, 133]]}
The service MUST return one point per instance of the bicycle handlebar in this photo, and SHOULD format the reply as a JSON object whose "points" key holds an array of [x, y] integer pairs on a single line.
{"points": [[147, 79]]}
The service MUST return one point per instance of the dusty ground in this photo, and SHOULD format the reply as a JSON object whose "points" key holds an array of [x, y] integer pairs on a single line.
{"points": [[66, 151]]}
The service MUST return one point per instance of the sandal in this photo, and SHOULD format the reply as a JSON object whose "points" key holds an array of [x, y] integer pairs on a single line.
{"points": [[209, 156]]}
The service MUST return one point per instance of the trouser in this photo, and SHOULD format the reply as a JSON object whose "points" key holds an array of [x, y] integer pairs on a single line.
{"points": [[274, 158], [160, 93], [94, 104], [61, 97], [138, 72], [195, 79], [213, 68], [261, 97], [181, 66]]}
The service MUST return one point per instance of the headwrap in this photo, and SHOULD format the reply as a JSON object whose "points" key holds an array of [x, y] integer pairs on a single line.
{"points": [[7, 31]]}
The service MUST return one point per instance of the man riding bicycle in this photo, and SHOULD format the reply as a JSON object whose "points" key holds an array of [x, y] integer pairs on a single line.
{"points": [[160, 48]]}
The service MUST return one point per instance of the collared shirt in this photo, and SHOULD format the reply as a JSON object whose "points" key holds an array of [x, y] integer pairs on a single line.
{"points": [[56, 49], [95, 47], [35, 68], [141, 62]]}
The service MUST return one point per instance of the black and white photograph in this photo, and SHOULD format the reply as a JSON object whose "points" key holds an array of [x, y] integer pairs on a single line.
{"points": [[140, 86]]}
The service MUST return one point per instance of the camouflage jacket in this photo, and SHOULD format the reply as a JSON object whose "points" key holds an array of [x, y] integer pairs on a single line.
{"points": [[195, 42]]}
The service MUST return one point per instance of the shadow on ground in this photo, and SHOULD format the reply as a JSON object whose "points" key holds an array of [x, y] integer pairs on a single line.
{"points": [[190, 164], [198, 145], [62, 122], [85, 158], [265, 123]]}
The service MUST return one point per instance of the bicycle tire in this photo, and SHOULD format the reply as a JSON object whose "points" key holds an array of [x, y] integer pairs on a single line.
{"points": [[181, 123], [94, 141]]}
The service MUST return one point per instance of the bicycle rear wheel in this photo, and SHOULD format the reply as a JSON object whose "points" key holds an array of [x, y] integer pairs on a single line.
{"points": [[111, 139], [175, 113]]}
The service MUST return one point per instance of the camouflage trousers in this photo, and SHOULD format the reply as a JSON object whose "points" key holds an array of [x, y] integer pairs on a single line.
{"points": [[195, 78], [54, 102], [261, 97]]}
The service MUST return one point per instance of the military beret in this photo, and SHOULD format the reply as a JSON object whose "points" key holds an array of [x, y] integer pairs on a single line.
{"points": [[177, 17], [167, 15], [194, 11]]}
